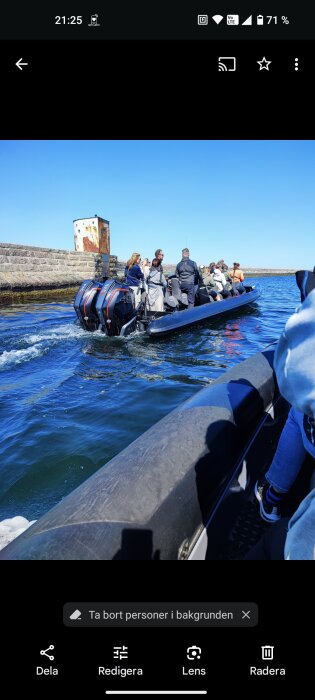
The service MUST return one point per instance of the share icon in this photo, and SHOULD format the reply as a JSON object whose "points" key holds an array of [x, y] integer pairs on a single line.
{"points": [[44, 652]]}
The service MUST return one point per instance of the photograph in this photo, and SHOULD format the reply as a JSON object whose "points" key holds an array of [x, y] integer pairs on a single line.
{"points": [[157, 316]]}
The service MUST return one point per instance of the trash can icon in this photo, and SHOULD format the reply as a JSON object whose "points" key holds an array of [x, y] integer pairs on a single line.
{"points": [[267, 653]]}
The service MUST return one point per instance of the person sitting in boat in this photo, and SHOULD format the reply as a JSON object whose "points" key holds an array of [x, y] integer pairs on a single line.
{"points": [[145, 267], [156, 286], [133, 272], [229, 286], [219, 280], [160, 256], [305, 281], [295, 371], [222, 266], [237, 277], [209, 283], [290, 538], [189, 276]]}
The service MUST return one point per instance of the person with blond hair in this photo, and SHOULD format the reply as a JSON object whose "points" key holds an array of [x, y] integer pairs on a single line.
{"points": [[145, 267], [133, 272]]}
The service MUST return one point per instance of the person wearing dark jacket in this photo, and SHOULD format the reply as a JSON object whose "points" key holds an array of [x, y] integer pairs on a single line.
{"points": [[133, 272], [188, 273]]}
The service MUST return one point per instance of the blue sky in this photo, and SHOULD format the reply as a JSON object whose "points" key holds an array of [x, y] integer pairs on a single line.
{"points": [[250, 201]]}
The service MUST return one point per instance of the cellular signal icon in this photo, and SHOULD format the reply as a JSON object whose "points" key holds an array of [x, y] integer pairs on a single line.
{"points": [[217, 18], [249, 20]]}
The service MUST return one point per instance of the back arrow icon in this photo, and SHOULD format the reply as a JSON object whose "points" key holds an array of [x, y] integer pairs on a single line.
{"points": [[19, 64]]}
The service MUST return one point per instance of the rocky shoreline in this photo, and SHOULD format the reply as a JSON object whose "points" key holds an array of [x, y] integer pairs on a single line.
{"points": [[248, 271], [169, 269]]}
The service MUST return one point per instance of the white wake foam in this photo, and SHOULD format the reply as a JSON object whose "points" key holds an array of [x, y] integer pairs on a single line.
{"points": [[12, 527], [58, 334], [15, 357], [41, 342]]}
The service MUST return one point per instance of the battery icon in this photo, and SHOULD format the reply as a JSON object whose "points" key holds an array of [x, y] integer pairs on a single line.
{"points": [[260, 19]]}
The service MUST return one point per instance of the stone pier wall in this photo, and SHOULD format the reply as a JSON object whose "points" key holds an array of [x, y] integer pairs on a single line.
{"points": [[26, 269]]}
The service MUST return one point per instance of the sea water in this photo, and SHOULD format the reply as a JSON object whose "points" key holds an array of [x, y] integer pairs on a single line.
{"points": [[71, 400]]}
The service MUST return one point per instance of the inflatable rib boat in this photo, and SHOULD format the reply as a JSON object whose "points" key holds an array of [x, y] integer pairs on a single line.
{"points": [[192, 497], [117, 309]]}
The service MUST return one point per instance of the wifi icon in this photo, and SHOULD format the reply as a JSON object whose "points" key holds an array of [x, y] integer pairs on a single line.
{"points": [[217, 18]]}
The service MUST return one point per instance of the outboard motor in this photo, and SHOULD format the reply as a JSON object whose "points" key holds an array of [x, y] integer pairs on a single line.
{"points": [[115, 308], [109, 306], [84, 304]]}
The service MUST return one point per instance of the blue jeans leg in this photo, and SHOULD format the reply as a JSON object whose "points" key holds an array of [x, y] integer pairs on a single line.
{"points": [[289, 456]]}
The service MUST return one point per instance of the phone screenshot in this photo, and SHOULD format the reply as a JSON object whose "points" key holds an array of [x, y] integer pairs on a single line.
{"points": [[157, 315]]}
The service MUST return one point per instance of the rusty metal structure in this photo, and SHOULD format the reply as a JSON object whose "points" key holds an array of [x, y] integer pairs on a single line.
{"points": [[92, 235]]}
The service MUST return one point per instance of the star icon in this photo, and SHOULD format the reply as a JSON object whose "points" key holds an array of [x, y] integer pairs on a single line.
{"points": [[264, 63]]}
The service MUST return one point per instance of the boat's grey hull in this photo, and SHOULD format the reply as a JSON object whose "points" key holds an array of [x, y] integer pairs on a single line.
{"points": [[180, 319]]}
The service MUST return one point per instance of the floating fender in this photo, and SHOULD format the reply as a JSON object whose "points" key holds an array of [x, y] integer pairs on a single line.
{"points": [[145, 502]]}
